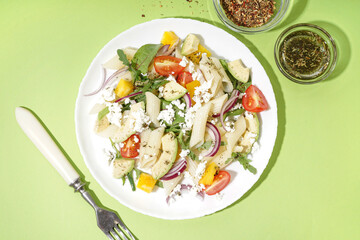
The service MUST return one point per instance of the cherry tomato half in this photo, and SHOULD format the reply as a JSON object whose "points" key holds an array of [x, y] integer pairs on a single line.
{"points": [[131, 146], [254, 100], [221, 180], [166, 65], [184, 78]]}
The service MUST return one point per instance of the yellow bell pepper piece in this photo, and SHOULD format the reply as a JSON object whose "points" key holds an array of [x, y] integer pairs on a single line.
{"points": [[146, 182], [191, 88], [209, 174], [124, 88], [169, 38], [195, 57]]}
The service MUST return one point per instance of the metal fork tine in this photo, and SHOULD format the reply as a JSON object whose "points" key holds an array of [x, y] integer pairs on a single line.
{"points": [[109, 236], [126, 229], [115, 235], [120, 232]]}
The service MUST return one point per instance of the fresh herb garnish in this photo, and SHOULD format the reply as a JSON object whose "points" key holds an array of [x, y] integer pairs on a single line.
{"points": [[184, 144], [137, 172], [131, 180], [118, 154], [159, 184], [235, 112], [103, 113], [144, 56], [243, 160]]}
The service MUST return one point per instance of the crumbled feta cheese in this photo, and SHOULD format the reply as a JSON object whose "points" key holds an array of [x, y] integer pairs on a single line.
{"points": [[161, 91], [184, 153], [114, 116], [200, 170], [127, 100], [167, 114], [181, 114], [140, 120], [108, 94], [237, 106], [249, 115], [178, 104], [184, 62], [136, 140], [191, 67], [171, 78], [109, 155], [121, 145]]}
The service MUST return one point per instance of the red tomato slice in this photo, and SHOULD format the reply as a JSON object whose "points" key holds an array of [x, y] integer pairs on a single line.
{"points": [[221, 180], [254, 100], [184, 78], [166, 65], [131, 146]]}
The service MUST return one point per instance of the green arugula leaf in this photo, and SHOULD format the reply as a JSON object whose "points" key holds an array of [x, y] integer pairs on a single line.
{"points": [[131, 180], [159, 184], [137, 172], [234, 113], [243, 160], [123, 180], [118, 154], [103, 113], [122, 57], [144, 56]]}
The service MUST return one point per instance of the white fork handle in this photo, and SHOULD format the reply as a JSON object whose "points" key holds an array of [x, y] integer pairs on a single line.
{"points": [[42, 140]]}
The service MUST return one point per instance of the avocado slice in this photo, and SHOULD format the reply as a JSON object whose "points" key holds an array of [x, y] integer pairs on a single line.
{"points": [[190, 45], [122, 166], [239, 71], [167, 157], [173, 90]]}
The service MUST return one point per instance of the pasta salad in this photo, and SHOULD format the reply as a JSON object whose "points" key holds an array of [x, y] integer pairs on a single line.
{"points": [[176, 116]]}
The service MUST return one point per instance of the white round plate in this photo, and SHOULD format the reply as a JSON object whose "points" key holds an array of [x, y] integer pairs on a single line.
{"points": [[221, 44]]}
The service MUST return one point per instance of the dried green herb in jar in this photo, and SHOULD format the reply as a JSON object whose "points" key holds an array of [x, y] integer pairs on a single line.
{"points": [[304, 55]]}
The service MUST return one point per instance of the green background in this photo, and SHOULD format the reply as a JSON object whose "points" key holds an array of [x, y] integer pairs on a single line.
{"points": [[310, 189]]}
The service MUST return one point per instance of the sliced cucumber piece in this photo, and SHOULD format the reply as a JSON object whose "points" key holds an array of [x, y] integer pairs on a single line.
{"points": [[190, 45], [167, 157], [173, 90], [239, 71], [122, 166]]}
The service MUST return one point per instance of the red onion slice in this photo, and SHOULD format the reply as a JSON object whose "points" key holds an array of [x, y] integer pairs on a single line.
{"points": [[107, 81], [176, 170], [229, 106], [217, 140], [128, 96], [101, 86], [164, 51], [187, 99]]}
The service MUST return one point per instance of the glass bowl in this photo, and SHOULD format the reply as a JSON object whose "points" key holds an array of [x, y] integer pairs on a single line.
{"points": [[281, 7], [328, 61]]}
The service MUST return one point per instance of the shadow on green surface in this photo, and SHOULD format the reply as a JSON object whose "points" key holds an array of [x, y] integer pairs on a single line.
{"points": [[342, 44], [279, 99], [296, 8], [82, 176]]}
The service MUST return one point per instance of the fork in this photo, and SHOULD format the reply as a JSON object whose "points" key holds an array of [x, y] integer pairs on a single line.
{"points": [[107, 221]]}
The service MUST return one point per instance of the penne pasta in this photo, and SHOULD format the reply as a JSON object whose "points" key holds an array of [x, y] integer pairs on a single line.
{"points": [[152, 150], [198, 129], [153, 107]]}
